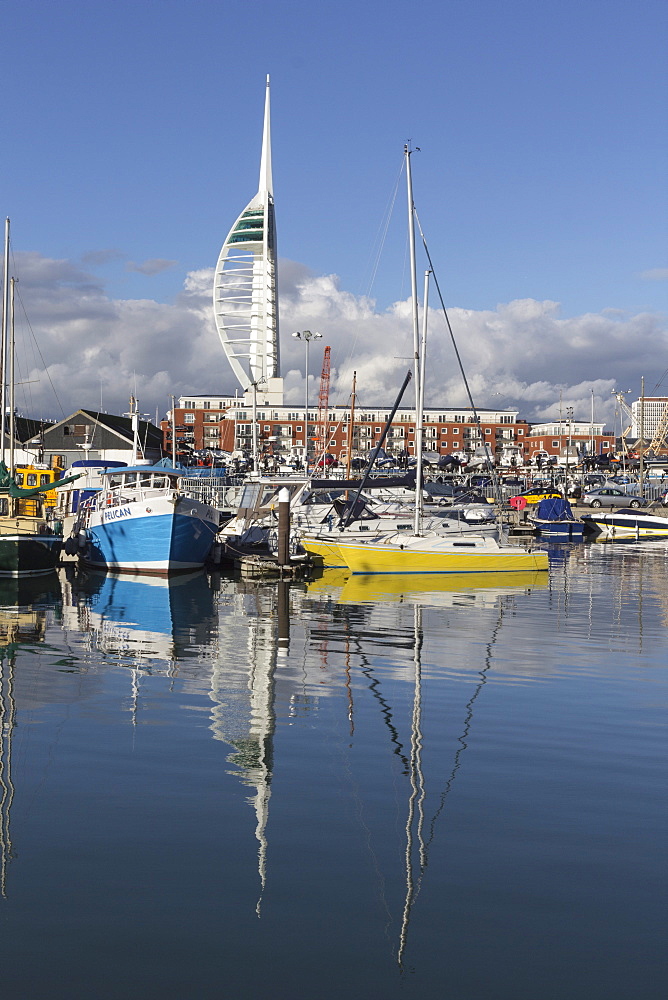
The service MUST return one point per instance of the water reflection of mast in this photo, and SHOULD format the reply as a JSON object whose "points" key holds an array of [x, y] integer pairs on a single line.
{"points": [[462, 740], [416, 798], [7, 715], [417, 778]]}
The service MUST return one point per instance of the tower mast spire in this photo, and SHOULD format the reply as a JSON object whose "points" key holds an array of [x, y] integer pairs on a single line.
{"points": [[266, 182]]}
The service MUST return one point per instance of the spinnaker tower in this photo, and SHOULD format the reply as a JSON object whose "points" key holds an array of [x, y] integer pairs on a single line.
{"points": [[245, 294]]}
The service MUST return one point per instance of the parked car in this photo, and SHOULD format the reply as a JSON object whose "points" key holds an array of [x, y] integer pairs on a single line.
{"points": [[536, 494], [612, 496]]}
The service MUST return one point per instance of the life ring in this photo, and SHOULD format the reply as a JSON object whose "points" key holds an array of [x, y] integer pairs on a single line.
{"points": [[519, 503], [109, 499]]}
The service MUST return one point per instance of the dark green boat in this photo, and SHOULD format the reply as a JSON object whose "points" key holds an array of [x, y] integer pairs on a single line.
{"points": [[30, 543], [29, 546]]}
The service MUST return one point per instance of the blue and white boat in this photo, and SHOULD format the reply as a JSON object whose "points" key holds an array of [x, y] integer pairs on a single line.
{"points": [[142, 522], [554, 519]]}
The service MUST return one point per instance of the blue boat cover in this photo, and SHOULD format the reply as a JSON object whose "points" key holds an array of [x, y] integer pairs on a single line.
{"points": [[554, 509]]}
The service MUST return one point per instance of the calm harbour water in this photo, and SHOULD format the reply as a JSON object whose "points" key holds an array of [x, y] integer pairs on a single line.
{"points": [[225, 789]]}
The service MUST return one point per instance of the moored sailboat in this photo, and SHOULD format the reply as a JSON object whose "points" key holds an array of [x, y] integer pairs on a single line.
{"points": [[29, 545], [625, 525], [430, 550]]}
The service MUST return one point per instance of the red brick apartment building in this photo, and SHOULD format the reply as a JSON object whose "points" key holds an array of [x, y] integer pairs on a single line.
{"points": [[225, 423]]}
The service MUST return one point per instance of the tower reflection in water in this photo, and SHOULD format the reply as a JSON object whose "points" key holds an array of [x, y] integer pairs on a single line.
{"points": [[179, 627]]}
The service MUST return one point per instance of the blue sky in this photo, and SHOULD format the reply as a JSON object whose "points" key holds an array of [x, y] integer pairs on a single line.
{"points": [[132, 140]]}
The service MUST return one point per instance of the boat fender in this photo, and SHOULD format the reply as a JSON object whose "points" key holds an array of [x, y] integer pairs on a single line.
{"points": [[71, 546]]}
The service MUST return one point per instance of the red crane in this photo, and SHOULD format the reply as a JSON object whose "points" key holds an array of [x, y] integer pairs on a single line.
{"points": [[323, 409]]}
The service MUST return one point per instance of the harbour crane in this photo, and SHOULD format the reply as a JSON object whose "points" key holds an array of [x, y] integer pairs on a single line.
{"points": [[625, 411], [660, 439], [323, 407]]}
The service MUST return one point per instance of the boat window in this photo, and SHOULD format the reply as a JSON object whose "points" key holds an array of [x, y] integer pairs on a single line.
{"points": [[249, 497], [31, 479], [44, 480], [4, 507], [19, 478]]}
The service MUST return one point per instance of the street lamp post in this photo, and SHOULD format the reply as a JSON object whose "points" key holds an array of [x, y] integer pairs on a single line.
{"points": [[307, 337], [569, 414], [261, 381]]}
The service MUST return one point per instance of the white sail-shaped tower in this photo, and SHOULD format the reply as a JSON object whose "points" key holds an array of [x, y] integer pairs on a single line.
{"points": [[245, 297]]}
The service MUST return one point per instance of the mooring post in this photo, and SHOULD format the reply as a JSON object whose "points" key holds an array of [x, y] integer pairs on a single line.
{"points": [[284, 527], [283, 615]]}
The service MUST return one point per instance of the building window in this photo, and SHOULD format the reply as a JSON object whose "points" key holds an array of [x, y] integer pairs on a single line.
{"points": [[555, 444], [488, 430], [455, 430], [520, 430], [188, 418]]}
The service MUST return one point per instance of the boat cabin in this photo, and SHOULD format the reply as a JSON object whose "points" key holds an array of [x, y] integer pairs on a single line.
{"points": [[30, 476]]}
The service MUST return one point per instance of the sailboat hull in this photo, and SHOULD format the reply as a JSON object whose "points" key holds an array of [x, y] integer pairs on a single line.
{"points": [[435, 555], [626, 525]]}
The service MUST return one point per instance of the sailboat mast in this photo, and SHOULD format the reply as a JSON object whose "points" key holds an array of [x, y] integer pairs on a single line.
{"points": [[419, 423], [351, 427], [12, 402], [134, 423], [419, 396], [173, 416], [3, 343], [414, 295]]}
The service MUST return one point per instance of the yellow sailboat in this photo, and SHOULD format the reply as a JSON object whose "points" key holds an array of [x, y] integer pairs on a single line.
{"points": [[425, 550], [399, 552]]}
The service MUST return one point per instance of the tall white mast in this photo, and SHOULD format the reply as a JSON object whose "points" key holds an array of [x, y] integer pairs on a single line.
{"points": [[4, 342], [419, 422], [12, 376], [418, 369], [245, 292]]}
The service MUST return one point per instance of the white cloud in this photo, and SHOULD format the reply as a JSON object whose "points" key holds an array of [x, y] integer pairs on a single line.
{"points": [[655, 274], [523, 353], [156, 265]]}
